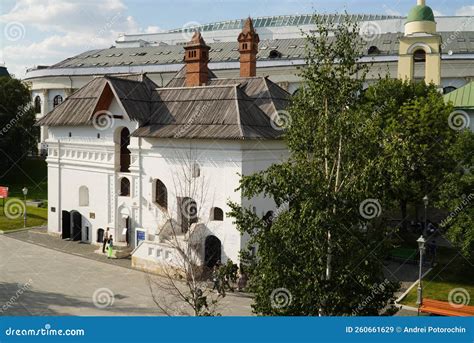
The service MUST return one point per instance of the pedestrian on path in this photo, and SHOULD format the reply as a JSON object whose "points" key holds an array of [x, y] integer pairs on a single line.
{"points": [[106, 238], [110, 247]]}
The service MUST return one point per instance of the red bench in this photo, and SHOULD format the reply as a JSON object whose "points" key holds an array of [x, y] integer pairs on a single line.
{"points": [[444, 308]]}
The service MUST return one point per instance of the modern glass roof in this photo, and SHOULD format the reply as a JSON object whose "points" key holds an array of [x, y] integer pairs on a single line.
{"points": [[283, 20]]}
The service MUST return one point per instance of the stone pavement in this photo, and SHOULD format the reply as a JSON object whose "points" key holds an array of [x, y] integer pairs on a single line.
{"points": [[35, 280], [40, 236], [65, 270]]}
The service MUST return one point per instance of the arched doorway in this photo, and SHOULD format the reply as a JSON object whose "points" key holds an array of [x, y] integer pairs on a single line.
{"points": [[212, 251], [66, 225], [100, 235], [76, 223]]}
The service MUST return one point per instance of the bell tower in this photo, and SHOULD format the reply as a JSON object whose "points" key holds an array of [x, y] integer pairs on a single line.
{"points": [[420, 47]]}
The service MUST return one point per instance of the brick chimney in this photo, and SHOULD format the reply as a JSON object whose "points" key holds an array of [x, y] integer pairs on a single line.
{"points": [[248, 48], [196, 57]]}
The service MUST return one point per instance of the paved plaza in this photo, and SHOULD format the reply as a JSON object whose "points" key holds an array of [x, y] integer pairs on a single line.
{"points": [[45, 281], [42, 274]]}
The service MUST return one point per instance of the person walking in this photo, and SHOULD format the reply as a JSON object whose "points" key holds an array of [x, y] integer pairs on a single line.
{"points": [[105, 239], [110, 247]]}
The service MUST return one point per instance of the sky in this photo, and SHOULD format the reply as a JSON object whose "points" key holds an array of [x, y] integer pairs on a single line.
{"points": [[44, 32]]}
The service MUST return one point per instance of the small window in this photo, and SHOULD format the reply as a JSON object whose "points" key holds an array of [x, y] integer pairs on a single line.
{"points": [[196, 170], [124, 187], [161, 194], [217, 214], [274, 54], [419, 56], [268, 217], [98, 135], [449, 89], [57, 100], [83, 196], [373, 50], [37, 104], [70, 134]]}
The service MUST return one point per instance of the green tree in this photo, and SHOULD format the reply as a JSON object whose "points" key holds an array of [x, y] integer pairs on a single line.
{"points": [[18, 136], [415, 139], [322, 252], [457, 196]]}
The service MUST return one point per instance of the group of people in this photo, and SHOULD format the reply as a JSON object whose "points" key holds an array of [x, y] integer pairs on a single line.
{"points": [[224, 275], [108, 243]]}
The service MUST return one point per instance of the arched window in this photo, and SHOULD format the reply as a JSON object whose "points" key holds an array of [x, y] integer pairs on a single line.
{"points": [[419, 65], [274, 54], [217, 214], [449, 89], [83, 196], [57, 100], [37, 104], [124, 152], [124, 187], [373, 50], [196, 170], [268, 218], [161, 194]]}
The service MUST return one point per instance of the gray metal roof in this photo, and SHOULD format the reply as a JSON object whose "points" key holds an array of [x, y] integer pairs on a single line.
{"points": [[288, 49], [240, 108]]}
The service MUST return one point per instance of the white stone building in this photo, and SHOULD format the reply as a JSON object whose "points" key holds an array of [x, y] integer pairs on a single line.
{"points": [[142, 160]]}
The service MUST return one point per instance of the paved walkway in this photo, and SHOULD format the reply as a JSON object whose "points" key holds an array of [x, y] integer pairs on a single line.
{"points": [[35, 280], [71, 280], [40, 236]]}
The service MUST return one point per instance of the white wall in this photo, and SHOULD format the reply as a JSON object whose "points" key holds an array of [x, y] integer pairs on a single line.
{"points": [[78, 157]]}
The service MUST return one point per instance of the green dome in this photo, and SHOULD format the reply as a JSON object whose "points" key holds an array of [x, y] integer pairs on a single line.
{"points": [[420, 13]]}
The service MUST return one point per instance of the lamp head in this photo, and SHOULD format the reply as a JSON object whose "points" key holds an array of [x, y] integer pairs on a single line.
{"points": [[25, 191], [421, 242], [425, 200]]}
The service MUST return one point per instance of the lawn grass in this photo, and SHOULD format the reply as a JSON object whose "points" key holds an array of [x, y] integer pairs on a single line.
{"points": [[453, 271], [36, 216], [32, 174]]}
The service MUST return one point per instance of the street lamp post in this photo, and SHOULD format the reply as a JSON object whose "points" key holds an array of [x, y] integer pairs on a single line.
{"points": [[425, 201], [25, 192], [421, 245]]}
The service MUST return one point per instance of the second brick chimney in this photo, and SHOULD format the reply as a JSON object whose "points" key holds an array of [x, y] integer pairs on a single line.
{"points": [[196, 58], [248, 48]]}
